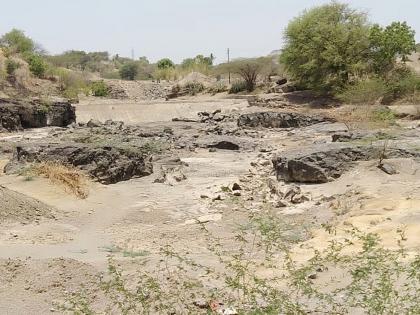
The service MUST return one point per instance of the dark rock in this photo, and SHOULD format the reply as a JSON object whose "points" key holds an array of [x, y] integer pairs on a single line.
{"points": [[224, 145], [281, 81], [236, 186], [16, 114], [342, 137], [279, 120], [323, 164], [107, 165]]}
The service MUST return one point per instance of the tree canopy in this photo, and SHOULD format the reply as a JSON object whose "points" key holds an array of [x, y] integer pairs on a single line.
{"points": [[326, 45], [330, 45], [17, 42]]}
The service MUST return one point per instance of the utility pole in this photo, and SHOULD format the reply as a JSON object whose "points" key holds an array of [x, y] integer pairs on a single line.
{"points": [[228, 53]]}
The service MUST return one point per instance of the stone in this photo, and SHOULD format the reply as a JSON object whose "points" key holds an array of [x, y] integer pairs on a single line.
{"points": [[236, 186], [94, 123], [224, 145], [205, 219], [299, 198], [387, 168], [203, 304], [291, 191]]}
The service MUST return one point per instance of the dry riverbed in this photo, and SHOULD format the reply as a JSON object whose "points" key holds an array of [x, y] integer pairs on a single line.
{"points": [[177, 178]]}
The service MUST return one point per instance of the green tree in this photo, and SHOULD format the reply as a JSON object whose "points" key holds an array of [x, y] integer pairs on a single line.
{"points": [[128, 71], [17, 42], [326, 46], [389, 43], [165, 63]]}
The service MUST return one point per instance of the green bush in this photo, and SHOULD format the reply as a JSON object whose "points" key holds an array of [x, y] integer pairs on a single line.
{"points": [[165, 63], [364, 92], [383, 114], [128, 71], [12, 66], [99, 88], [71, 83], [402, 83], [37, 65], [237, 87], [194, 88]]}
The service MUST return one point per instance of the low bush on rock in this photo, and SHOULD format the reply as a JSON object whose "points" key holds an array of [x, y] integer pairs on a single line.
{"points": [[193, 88], [99, 88]]}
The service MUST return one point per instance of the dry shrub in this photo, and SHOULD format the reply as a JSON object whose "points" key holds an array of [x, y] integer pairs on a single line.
{"points": [[71, 178], [364, 117]]}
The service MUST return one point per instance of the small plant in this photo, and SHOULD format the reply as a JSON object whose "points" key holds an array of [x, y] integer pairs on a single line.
{"points": [[193, 88], [384, 114], [237, 87], [99, 89], [12, 66]]}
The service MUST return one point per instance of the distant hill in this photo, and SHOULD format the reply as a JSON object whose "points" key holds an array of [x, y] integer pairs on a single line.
{"points": [[275, 52]]}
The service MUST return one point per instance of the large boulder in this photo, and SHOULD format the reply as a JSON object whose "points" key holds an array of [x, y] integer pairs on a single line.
{"points": [[323, 164], [107, 165], [16, 115], [279, 120]]}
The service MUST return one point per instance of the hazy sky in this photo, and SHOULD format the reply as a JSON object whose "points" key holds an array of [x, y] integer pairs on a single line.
{"points": [[174, 28]]}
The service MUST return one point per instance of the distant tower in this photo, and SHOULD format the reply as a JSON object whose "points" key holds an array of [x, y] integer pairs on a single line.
{"points": [[132, 53]]}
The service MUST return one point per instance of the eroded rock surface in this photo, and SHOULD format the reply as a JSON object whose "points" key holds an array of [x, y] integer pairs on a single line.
{"points": [[279, 120], [17, 115], [321, 165], [107, 165]]}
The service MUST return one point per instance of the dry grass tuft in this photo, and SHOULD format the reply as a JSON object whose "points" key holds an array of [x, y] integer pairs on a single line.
{"points": [[363, 116], [71, 178]]}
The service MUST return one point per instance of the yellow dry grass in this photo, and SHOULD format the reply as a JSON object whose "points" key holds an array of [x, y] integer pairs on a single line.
{"points": [[72, 179], [359, 117]]}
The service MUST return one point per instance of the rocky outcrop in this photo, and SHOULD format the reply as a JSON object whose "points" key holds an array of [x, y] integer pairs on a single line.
{"points": [[325, 164], [107, 165], [279, 120], [17, 115]]}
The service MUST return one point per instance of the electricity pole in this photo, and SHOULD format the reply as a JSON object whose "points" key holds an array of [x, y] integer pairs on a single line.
{"points": [[228, 53]]}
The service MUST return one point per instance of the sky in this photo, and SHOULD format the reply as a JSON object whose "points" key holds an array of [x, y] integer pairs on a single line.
{"points": [[175, 28]]}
